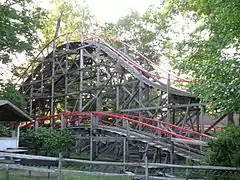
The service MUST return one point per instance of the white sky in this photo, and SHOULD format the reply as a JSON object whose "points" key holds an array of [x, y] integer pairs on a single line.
{"points": [[104, 10], [112, 10], [107, 11]]}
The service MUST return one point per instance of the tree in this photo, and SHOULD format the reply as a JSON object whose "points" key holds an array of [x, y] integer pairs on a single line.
{"points": [[18, 26], [224, 150], [65, 17], [211, 54], [147, 32], [10, 93]]}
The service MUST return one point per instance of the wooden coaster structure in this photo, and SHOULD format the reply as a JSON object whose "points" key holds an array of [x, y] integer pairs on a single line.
{"points": [[92, 76]]}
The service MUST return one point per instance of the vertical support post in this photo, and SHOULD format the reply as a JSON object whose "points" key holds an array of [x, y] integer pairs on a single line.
{"points": [[117, 94], [36, 124], [18, 135], [168, 100], [169, 119], [52, 83], [91, 138], [140, 95], [49, 172], [66, 75], [60, 166], [173, 116], [42, 86], [158, 132], [201, 115], [31, 93], [98, 93], [62, 122], [80, 107], [125, 142], [159, 155], [146, 166], [98, 100], [187, 173], [197, 121], [124, 151], [6, 173], [202, 125], [172, 153]]}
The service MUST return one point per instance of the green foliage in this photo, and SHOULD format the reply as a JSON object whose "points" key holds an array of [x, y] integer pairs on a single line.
{"points": [[224, 150], [18, 26], [48, 142], [14, 96], [148, 32], [71, 15], [4, 131], [211, 54]]}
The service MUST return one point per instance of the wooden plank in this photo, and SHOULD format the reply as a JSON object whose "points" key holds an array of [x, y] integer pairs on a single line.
{"points": [[193, 142]]}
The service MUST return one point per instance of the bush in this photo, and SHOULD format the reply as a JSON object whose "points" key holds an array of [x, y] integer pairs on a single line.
{"points": [[224, 150], [4, 131], [45, 141]]}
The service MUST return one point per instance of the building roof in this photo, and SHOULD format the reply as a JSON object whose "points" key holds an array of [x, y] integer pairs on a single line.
{"points": [[9, 112]]}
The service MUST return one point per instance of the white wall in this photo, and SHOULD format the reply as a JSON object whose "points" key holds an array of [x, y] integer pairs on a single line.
{"points": [[7, 142]]}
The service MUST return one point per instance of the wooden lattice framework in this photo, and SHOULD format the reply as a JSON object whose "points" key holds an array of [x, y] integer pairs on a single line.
{"points": [[90, 75]]}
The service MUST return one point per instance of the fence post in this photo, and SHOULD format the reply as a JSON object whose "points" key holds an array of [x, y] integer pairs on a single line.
{"points": [[60, 166], [146, 167], [6, 173], [187, 173]]}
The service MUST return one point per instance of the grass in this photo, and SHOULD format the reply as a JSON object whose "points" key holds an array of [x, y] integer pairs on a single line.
{"points": [[24, 175]]}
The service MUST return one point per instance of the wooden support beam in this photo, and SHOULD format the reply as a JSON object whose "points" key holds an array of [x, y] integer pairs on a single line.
{"points": [[192, 142], [215, 123]]}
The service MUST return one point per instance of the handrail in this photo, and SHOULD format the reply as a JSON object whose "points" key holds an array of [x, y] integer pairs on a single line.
{"points": [[120, 116], [126, 117], [144, 124], [179, 79], [151, 62], [136, 65], [171, 125]]}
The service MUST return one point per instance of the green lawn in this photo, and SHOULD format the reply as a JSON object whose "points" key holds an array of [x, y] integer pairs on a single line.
{"points": [[23, 175]]}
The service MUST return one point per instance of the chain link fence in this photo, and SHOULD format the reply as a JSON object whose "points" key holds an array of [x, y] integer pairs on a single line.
{"points": [[27, 167], [38, 174]]}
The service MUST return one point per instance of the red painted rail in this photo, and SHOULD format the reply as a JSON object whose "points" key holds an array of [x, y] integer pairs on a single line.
{"points": [[144, 124], [169, 124], [102, 38], [125, 117]]}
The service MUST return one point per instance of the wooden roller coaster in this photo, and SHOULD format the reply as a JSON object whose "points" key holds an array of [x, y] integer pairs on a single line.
{"points": [[115, 101]]}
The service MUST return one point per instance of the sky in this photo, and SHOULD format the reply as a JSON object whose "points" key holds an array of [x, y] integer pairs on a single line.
{"points": [[104, 11], [112, 10]]}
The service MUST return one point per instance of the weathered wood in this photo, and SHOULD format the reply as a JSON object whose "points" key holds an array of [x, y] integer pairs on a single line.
{"points": [[85, 75], [146, 167], [6, 176], [60, 166], [151, 165], [193, 142], [215, 123]]}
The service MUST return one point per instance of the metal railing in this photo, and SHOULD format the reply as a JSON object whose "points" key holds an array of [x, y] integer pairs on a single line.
{"points": [[12, 166]]}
